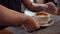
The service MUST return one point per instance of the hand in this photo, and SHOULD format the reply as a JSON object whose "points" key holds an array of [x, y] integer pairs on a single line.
{"points": [[51, 8], [30, 24]]}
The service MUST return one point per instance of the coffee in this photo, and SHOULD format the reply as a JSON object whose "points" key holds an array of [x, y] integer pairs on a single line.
{"points": [[41, 14]]}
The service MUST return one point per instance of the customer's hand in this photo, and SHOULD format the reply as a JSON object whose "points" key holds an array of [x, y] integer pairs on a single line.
{"points": [[51, 8], [30, 24]]}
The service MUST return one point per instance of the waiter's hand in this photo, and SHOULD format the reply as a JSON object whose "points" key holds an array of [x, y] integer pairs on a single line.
{"points": [[51, 8]]}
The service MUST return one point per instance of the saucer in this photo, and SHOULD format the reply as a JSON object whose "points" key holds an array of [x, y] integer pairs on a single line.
{"points": [[50, 22]]}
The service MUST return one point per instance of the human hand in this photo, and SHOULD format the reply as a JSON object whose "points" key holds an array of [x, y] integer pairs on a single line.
{"points": [[30, 25], [51, 8]]}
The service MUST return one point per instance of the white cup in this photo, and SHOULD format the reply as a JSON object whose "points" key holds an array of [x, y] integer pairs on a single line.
{"points": [[41, 18]]}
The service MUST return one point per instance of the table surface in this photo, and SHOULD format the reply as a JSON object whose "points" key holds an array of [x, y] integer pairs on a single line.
{"points": [[53, 29]]}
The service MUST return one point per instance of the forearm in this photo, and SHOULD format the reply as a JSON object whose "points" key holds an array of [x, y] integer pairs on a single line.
{"points": [[33, 6], [10, 17]]}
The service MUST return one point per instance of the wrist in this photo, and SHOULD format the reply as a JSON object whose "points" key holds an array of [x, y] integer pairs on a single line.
{"points": [[29, 24], [44, 7]]}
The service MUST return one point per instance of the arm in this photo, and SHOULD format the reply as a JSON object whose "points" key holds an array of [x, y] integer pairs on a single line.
{"points": [[11, 17], [33, 6]]}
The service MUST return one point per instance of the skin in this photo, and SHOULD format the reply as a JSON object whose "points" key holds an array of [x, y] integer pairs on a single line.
{"points": [[58, 12], [8, 12], [33, 6], [11, 17], [52, 9], [38, 7], [5, 32]]}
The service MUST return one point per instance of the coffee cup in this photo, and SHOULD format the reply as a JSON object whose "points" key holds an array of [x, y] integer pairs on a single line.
{"points": [[41, 18]]}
